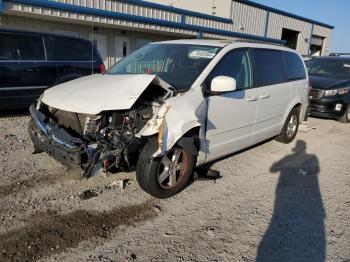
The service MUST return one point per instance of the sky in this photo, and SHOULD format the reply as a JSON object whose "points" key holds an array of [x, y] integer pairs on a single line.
{"points": [[333, 12]]}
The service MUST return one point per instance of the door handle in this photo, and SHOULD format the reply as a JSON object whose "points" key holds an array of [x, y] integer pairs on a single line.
{"points": [[264, 96], [251, 98]]}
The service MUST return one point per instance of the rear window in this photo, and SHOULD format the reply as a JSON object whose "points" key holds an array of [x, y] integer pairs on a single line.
{"points": [[268, 67], [69, 49], [293, 66], [26, 46]]}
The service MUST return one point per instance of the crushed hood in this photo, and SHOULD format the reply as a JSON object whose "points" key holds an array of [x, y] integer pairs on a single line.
{"points": [[96, 93]]}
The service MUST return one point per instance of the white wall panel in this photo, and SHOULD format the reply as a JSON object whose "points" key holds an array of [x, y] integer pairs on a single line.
{"points": [[277, 22], [251, 18]]}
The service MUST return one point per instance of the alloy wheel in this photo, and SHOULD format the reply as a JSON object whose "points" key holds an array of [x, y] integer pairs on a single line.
{"points": [[172, 168], [292, 126]]}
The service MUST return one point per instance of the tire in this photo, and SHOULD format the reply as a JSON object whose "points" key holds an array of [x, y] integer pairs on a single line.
{"points": [[346, 117], [153, 177], [290, 127]]}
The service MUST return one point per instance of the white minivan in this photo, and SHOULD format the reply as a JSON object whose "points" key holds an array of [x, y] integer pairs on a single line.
{"points": [[170, 106]]}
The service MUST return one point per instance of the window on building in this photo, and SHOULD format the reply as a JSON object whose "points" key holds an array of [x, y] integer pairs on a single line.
{"points": [[316, 45], [268, 67], [235, 64], [293, 66], [291, 37], [9, 47], [70, 49]]}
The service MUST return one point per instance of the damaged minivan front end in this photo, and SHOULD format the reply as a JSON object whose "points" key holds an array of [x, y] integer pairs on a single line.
{"points": [[146, 113], [93, 137]]}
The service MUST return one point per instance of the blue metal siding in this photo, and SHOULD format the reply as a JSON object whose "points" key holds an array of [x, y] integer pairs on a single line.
{"points": [[140, 19], [277, 11], [1, 6]]}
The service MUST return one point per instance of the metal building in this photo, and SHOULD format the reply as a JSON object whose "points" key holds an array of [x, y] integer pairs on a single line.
{"points": [[121, 26]]}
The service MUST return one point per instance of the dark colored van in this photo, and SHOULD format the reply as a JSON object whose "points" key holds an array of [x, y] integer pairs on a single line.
{"points": [[30, 62]]}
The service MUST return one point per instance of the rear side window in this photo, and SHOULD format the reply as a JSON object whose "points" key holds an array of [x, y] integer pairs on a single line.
{"points": [[69, 49], [268, 67], [293, 66], [31, 47], [8, 47]]}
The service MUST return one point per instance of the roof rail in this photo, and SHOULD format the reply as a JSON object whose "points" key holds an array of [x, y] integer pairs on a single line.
{"points": [[282, 43], [339, 54]]}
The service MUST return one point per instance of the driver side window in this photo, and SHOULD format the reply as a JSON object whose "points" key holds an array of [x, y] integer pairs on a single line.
{"points": [[235, 64]]}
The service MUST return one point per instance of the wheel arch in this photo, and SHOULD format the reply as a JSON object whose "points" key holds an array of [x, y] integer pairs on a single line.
{"points": [[294, 104], [171, 137]]}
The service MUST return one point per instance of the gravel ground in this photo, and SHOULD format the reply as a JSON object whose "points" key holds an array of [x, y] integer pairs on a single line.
{"points": [[274, 202]]}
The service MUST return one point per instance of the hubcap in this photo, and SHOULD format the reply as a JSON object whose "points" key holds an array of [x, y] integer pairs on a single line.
{"points": [[172, 168], [349, 114], [292, 126]]}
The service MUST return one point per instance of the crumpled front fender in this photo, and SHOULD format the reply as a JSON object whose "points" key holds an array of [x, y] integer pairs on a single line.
{"points": [[176, 117]]}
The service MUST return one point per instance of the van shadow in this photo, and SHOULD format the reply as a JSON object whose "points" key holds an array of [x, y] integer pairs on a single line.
{"points": [[296, 231]]}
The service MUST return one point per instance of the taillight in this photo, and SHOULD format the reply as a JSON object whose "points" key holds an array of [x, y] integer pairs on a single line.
{"points": [[102, 68]]}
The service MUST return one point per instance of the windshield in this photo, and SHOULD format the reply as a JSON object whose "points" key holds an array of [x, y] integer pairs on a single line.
{"points": [[177, 64], [329, 67]]}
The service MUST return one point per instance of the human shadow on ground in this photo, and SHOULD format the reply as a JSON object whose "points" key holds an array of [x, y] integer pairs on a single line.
{"points": [[296, 231]]}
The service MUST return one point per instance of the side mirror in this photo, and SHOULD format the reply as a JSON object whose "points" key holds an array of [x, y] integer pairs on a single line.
{"points": [[222, 84]]}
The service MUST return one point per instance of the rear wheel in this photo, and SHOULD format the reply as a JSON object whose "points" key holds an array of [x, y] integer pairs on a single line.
{"points": [[165, 176], [290, 128], [346, 117]]}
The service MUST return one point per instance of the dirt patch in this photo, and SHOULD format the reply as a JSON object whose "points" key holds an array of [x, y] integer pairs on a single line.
{"points": [[40, 180], [51, 232]]}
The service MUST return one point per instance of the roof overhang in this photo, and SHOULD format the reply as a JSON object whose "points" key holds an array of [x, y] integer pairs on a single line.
{"points": [[141, 19], [281, 12]]}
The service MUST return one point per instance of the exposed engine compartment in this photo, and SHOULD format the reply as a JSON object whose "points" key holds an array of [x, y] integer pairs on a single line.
{"points": [[108, 139]]}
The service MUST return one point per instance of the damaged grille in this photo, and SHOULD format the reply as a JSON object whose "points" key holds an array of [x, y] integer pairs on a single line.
{"points": [[76, 123]]}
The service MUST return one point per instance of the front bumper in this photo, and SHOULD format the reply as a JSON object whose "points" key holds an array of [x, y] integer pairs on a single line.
{"points": [[55, 141], [332, 107]]}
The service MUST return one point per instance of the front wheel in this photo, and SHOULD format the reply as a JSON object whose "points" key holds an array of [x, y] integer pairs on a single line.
{"points": [[290, 128], [346, 117], [165, 176]]}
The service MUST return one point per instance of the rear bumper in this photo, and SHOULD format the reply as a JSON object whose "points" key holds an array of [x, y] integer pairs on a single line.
{"points": [[55, 141], [332, 107]]}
